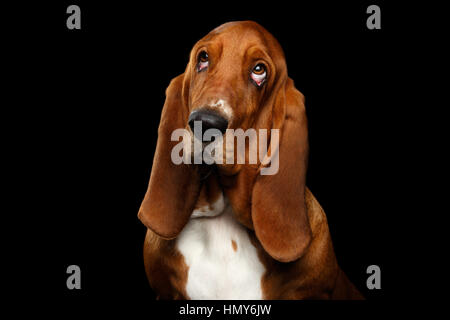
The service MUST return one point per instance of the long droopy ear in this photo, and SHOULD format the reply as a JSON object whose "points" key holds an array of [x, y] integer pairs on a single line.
{"points": [[173, 189], [278, 201]]}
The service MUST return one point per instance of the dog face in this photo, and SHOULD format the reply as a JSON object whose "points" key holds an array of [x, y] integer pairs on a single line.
{"points": [[236, 78], [231, 71], [231, 80]]}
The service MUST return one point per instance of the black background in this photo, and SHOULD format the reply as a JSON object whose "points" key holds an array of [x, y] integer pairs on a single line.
{"points": [[92, 109]]}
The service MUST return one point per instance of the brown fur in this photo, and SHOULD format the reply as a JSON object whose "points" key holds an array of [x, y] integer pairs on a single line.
{"points": [[165, 267], [284, 220], [234, 245]]}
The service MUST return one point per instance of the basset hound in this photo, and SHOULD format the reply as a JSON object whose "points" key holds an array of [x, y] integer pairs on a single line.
{"points": [[226, 231]]}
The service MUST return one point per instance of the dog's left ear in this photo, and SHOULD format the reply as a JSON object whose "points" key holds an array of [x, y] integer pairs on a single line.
{"points": [[278, 201]]}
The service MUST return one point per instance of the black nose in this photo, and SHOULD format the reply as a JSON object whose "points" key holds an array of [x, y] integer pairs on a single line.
{"points": [[209, 119]]}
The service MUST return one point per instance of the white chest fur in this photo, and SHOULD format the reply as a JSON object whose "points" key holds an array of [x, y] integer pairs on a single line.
{"points": [[223, 263]]}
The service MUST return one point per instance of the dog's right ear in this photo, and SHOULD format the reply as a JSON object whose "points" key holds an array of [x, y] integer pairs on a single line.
{"points": [[173, 189]]}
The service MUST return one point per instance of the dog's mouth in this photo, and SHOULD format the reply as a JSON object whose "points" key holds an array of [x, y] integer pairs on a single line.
{"points": [[212, 142], [205, 170], [207, 143], [206, 152]]}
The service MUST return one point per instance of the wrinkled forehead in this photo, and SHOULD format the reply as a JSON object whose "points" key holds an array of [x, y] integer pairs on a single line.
{"points": [[239, 31], [241, 36]]}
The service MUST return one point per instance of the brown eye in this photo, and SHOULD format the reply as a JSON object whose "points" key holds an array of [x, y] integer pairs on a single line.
{"points": [[203, 56], [259, 69], [203, 61], [259, 74]]}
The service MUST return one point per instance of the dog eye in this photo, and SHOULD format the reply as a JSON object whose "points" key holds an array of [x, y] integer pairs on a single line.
{"points": [[259, 74], [203, 61]]}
